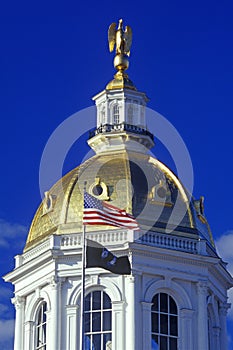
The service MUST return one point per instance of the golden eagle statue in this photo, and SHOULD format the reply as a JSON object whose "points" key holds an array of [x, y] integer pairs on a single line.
{"points": [[121, 38]]}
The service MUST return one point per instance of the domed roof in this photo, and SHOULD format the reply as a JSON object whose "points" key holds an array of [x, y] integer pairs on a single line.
{"points": [[133, 181]]}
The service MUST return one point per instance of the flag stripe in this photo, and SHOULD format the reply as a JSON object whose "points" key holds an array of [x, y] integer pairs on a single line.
{"points": [[100, 219], [97, 212], [90, 213], [109, 223]]}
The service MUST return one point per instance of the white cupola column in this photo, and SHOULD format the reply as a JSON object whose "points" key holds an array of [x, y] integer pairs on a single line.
{"points": [[19, 303], [222, 317], [202, 317]]}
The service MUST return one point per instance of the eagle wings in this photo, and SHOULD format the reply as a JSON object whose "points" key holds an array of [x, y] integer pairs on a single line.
{"points": [[121, 38]]}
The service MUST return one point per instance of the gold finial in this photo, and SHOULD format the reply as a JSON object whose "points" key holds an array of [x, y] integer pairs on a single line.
{"points": [[123, 40]]}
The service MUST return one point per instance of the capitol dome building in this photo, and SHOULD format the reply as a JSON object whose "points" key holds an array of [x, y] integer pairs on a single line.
{"points": [[175, 295]]}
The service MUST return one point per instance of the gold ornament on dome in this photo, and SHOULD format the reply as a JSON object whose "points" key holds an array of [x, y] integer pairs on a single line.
{"points": [[48, 202], [99, 190], [122, 40]]}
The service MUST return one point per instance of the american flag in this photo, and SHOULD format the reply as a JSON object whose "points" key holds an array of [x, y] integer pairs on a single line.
{"points": [[97, 212]]}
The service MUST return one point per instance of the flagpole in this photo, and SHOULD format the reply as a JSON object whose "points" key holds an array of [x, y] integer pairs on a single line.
{"points": [[82, 304]]}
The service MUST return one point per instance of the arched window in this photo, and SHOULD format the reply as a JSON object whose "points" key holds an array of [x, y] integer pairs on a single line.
{"points": [[103, 116], [40, 327], [116, 114], [164, 323], [98, 321], [130, 114]]}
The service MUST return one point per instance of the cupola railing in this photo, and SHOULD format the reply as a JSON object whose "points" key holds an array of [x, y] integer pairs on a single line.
{"points": [[110, 128]]}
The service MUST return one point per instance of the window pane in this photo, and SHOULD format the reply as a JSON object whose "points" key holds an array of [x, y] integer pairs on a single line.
{"points": [[106, 302], [163, 302], [173, 343], [107, 341], [154, 343], [155, 303], [173, 307], [130, 114], [44, 333], [173, 325], [107, 320], [87, 322], [88, 302], [115, 114], [39, 316], [96, 300], [96, 322], [96, 342], [163, 343], [40, 336], [164, 324], [87, 342], [44, 317], [155, 323]]}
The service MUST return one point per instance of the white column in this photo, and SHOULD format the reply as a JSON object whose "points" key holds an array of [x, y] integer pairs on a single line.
{"points": [[146, 322], [54, 327], [28, 335], [19, 303], [216, 334], [72, 338], [130, 316], [202, 318], [186, 329], [118, 325], [222, 318]]}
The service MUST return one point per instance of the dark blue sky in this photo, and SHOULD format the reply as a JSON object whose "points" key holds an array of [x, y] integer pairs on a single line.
{"points": [[54, 58]]}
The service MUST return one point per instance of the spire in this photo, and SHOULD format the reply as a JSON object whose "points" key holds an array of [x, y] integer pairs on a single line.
{"points": [[122, 40], [121, 122]]}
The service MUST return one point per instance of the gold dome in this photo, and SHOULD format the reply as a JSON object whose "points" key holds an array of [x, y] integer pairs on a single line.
{"points": [[136, 182]]}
